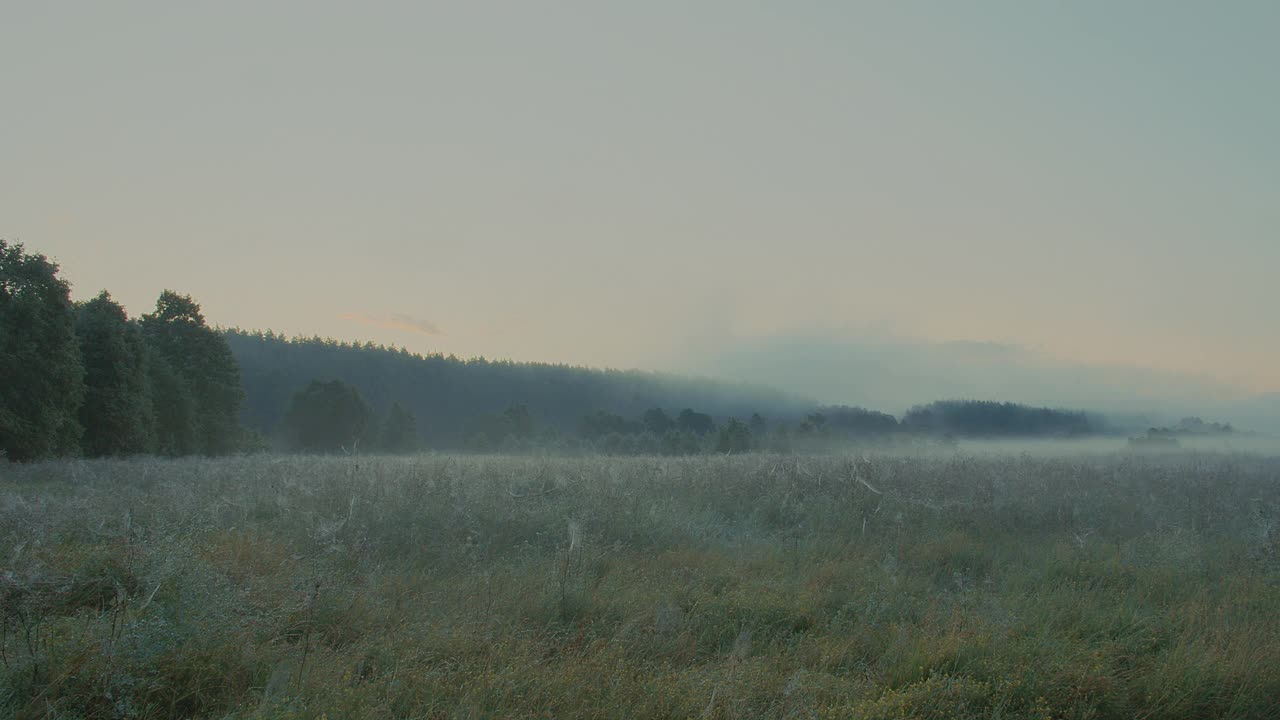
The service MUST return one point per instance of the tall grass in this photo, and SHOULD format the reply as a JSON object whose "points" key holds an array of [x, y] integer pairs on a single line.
{"points": [[712, 587]]}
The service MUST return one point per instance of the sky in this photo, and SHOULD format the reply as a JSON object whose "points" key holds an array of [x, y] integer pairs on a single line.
{"points": [[697, 186]]}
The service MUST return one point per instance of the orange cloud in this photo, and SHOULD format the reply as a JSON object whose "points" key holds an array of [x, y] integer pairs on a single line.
{"points": [[395, 321]]}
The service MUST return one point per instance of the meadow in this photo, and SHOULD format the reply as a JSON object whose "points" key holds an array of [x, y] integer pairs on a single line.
{"points": [[756, 586]]}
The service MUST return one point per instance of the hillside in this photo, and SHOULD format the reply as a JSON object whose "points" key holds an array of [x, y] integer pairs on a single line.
{"points": [[452, 397], [444, 392]]}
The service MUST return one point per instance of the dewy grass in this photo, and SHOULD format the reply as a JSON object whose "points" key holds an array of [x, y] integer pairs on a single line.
{"points": [[709, 587]]}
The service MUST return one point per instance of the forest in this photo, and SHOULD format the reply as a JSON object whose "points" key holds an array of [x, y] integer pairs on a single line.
{"points": [[85, 379]]}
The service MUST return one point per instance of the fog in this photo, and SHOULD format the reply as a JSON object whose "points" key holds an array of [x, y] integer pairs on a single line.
{"points": [[892, 375], [1119, 447]]}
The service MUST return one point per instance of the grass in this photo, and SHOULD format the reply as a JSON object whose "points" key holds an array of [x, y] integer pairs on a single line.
{"points": [[723, 587]]}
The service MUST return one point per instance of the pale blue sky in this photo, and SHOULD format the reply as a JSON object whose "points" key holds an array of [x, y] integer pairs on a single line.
{"points": [[609, 183]]}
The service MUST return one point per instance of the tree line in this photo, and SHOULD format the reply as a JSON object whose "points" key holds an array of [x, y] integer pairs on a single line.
{"points": [[454, 399], [333, 416], [85, 378], [503, 406], [975, 418]]}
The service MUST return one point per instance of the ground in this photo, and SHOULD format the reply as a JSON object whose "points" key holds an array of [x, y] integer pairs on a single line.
{"points": [[947, 586]]}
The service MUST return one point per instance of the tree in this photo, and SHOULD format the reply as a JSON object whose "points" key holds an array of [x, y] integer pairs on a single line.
{"points": [[489, 430], [613, 443], [485, 431], [969, 418], [173, 410], [734, 437], [202, 360], [757, 424], [858, 421], [695, 422], [679, 442], [327, 417], [116, 414], [601, 423], [648, 443], [657, 422], [42, 384], [399, 431], [519, 421]]}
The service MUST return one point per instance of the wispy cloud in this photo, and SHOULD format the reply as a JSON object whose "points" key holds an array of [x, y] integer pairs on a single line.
{"points": [[394, 321]]}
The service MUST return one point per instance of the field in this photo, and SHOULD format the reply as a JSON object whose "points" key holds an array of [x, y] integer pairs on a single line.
{"points": [[758, 586]]}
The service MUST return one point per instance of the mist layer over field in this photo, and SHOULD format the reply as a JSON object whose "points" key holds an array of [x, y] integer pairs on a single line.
{"points": [[1111, 446], [955, 585]]}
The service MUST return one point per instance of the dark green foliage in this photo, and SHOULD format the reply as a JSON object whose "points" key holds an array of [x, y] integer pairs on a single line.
{"points": [[857, 421], [173, 410], [327, 417], [399, 431], [680, 442], [485, 432], [519, 420], [202, 360], [490, 431], [600, 424], [116, 414], [41, 389], [734, 437], [695, 422], [758, 425], [969, 418], [656, 421]]}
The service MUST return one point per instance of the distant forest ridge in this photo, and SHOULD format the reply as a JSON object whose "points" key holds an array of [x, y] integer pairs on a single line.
{"points": [[445, 392], [449, 396]]}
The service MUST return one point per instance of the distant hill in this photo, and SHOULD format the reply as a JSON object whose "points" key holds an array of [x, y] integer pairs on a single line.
{"points": [[445, 392]]}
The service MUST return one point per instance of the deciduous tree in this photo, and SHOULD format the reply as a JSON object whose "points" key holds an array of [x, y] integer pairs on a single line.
{"points": [[327, 417], [42, 384], [201, 358], [116, 414]]}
